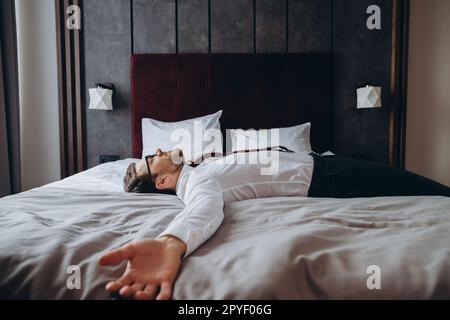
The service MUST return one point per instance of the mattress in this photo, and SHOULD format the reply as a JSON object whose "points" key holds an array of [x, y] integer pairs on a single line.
{"points": [[273, 248]]}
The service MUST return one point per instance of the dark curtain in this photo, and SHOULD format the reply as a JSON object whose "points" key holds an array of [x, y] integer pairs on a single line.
{"points": [[9, 102]]}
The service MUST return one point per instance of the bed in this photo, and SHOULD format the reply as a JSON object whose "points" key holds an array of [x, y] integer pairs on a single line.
{"points": [[279, 248], [273, 248]]}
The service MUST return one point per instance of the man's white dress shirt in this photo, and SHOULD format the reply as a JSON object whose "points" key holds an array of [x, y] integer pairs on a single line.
{"points": [[207, 188]]}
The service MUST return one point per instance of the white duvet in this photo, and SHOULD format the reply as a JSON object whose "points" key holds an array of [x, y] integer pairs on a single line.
{"points": [[274, 248]]}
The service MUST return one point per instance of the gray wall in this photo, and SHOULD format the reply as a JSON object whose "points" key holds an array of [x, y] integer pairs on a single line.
{"points": [[107, 48], [428, 118], [361, 55], [113, 29]]}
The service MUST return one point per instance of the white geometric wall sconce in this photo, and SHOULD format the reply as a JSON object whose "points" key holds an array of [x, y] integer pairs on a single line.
{"points": [[100, 98], [368, 97]]}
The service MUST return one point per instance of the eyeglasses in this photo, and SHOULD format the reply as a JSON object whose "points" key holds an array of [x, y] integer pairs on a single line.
{"points": [[148, 167]]}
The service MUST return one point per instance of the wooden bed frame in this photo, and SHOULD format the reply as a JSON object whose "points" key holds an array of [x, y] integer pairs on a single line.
{"points": [[253, 90]]}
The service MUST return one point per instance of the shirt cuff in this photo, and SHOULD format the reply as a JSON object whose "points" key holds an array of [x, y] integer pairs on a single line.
{"points": [[181, 232]]}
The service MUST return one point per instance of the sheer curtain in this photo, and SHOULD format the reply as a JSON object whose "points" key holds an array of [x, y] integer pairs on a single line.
{"points": [[10, 181]]}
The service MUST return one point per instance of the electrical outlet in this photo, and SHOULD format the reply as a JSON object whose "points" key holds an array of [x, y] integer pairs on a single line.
{"points": [[109, 158]]}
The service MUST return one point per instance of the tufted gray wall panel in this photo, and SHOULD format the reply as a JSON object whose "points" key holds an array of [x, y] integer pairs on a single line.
{"points": [[232, 26], [310, 25], [270, 26], [154, 26], [193, 26]]}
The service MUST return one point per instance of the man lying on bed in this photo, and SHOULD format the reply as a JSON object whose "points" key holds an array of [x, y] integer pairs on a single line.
{"points": [[153, 264]]}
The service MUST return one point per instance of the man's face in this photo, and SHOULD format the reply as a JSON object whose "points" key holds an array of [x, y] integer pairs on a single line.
{"points": [[163, 162]]}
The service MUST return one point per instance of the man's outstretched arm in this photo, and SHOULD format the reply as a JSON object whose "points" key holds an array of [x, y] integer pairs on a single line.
{"points": [[154, 264], [202, 215]]}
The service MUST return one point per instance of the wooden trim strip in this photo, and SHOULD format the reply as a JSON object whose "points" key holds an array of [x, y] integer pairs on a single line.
{"points": [[399, 70], [79, 144], [393, 88], [69, 95], [404, 82], [71, 110], [61, 89]]}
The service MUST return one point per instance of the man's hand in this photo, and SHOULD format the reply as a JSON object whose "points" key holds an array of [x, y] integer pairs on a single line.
{"points": [[152, 265]]}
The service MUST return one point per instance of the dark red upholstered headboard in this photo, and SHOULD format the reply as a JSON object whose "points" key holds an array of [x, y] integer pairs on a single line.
{"points": [[254, 91]]}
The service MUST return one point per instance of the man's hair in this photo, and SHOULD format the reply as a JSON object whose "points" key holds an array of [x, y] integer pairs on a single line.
{"points": [[140, 184], [134, 183]]}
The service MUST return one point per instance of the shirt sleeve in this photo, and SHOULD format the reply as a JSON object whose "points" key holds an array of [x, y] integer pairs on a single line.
{"points": [[202, 215]]}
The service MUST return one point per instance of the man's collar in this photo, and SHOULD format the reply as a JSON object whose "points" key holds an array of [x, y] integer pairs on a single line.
{"points": [[183, 175]]}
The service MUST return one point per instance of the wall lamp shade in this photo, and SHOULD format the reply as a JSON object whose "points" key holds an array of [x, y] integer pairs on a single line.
{"points": [[100, 98], [369, 97]]}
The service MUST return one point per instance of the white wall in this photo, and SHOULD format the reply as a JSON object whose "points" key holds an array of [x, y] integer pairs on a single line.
{"points": [[428, 110], [38, 89]]}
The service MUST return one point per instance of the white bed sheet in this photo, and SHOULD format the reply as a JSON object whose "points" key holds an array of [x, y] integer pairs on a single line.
{"points": [[274, 248]]}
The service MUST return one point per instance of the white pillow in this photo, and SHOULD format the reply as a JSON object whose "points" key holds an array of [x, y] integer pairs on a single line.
{"points": [[294, 138], [195, 137]]}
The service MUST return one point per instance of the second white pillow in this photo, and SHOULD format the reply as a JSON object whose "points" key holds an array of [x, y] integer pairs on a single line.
{"points": [[296, 138]]}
